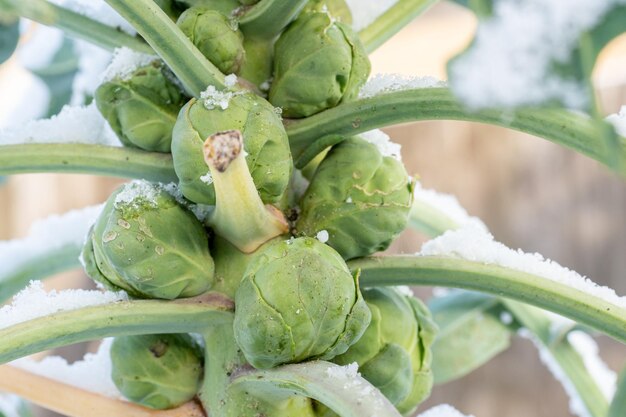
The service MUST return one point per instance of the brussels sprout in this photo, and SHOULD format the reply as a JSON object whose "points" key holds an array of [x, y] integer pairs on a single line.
{"points": [[157, 371], [360, 197], [338, 9], [142, 107], [145, 243], [318, 64], [248, 2], [226, 7], [265, 142], [214, 35], [297, 301], [394, 353], [170, 7]]}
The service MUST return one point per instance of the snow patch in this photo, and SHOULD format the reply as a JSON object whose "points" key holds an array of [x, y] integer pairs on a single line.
{"points": [[34, 302], [322, 236], [92, 373], [74, 124], [387, 83], [138, 193], [207, 178], [443, 410], [510, 62], [45, 235], [474, 244], [588, 350], [125, 62], [618, 120], [364, 13], [98, 10], [383, 142], [92, 63], [10, 405]]}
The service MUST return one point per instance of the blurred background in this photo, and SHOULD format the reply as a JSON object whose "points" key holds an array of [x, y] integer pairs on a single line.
{"points": [[531, 193]]}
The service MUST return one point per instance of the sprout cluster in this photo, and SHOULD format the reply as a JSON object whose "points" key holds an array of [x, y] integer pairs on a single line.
{"points": [[278, 252]]}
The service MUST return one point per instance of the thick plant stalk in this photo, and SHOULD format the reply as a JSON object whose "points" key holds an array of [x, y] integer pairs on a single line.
{"points": [[239, 216], [75, 402]]}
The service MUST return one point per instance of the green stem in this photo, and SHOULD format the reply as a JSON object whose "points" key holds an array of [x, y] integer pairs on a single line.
{"points": [[116, 319], [180, 54], [75, 24], [568, 359], [563, 127], [89, 159], [618, 405], [550, 295], [429, 220], [392, 21], [43, 265], [268, 18], [346, 395]]}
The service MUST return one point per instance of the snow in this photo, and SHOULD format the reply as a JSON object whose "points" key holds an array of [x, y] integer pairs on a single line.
{"points": [[33, 302], [365, 13], [40, 46], [322, 236], [576, 404], [92, 373], [138, 193], [387, 83], [588, 350], [349, 371], [349, 379], [10, 405], [509, 64], [125, 62], [506, 318], [97, 10], [207, 178], [404, 290], [92, 62], [201, 211], [448, 205], [74, 124], [383, 142], [230, 80], [443, 410], [618, 120], [45, 235], [474, 244], [213, 98]]}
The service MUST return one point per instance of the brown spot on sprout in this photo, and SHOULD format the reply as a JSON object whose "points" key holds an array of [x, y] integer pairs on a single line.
{"points": [[222, 148]]}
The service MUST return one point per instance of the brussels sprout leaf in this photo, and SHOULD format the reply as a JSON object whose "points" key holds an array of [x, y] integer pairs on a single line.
{"points": [[619, 401], [9, 35]]}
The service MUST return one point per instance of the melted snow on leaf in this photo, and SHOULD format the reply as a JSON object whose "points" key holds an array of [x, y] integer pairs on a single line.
{"points": [[510, 62], [125, 62], [387, 83], [587, 348], [98, 10], [365, 12], [214, 98], [443, 410], [74, 124], [92, 373], [618, 121], [10, 405], [46, 235], [448, 205], [576, 404], [34, 302], [383, 142], [138, 193]]}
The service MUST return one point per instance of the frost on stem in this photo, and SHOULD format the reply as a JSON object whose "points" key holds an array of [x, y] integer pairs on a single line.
{"points": [[388, 83], [92, 373], [98, 10], [240, 216]]}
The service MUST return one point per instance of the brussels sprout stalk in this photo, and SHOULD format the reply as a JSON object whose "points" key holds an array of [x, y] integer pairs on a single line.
{"points": [[240, 216]]}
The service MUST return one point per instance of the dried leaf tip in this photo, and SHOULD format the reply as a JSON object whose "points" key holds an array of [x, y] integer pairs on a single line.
{"points": [[222, 148]]}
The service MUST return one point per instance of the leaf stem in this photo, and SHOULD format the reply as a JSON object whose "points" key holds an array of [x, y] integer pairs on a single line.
{"points": [[192, 315], [573, 130], [89, 159], [75, 24], [496, 280], [392, 21], [178, 52]]}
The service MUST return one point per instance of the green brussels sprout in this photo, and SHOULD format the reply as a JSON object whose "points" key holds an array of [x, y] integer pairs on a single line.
{"points": [[171, 8], [338, 9], [145, 243], [157, 371], [215, 36], [141, 108], [297, 301], [248, 2], [394, 353], [265, 142], [360, 197], [318, 64]]}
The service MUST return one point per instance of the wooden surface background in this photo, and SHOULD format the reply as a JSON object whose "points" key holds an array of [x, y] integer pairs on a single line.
{"points": [[531, 193]]}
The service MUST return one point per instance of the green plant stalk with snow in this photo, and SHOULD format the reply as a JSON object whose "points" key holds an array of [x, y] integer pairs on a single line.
{"points": [[208, 247]]}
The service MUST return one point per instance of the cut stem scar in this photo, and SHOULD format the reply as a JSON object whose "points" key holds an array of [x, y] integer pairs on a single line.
{"points": [[75, 402], [240, 215]]}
